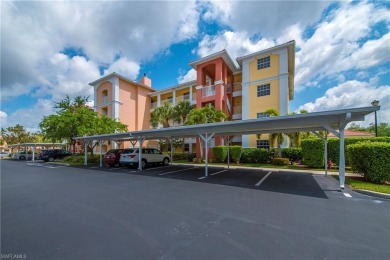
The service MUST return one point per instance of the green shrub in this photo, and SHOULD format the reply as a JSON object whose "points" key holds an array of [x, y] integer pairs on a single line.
{"points": [[334, 146], [235, 153], [220, 153], [293, 154], [313, 152], [371, 159], [181, 156], [255, 155], [79, 158], [280, 161]]}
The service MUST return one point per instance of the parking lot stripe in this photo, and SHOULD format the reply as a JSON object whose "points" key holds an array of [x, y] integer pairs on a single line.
{"points": [[155, 168], [201, 178], [347, 195], [165, 173], [215, 173], [263, 179]]}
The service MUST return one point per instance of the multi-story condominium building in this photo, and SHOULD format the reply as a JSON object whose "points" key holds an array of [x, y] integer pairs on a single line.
{"points": [[261, 81]]}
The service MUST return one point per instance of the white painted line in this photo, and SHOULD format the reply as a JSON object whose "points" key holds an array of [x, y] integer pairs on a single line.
{"points": [[347, 195], [263, 179], [201, 178], [215, 173], [157, 168], [165, 173]]}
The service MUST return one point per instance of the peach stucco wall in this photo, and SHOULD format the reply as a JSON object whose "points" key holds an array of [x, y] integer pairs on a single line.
{"points": [[105, 86]]}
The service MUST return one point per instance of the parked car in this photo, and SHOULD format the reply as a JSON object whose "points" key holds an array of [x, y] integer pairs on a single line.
{"points": [[112, 157], [4, 155], [129, 157], [22, 156], [53, 154]]}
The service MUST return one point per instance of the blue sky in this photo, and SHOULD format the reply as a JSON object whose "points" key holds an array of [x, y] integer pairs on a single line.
{"points": [[53, 49]]}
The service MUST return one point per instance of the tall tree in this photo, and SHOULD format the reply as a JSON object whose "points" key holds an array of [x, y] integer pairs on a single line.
{"points": [[16, 134], [75, 118], [205, 115], [181, 111]]}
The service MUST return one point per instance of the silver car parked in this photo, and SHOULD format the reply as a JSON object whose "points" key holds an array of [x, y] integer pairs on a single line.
{"points": [[129, 157]]}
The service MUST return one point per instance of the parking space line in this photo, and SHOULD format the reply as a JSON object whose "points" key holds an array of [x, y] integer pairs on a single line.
{"points": [[165, 173], [347, 195], [263, 179], [215, 173], [201, 178], [155, 168]]}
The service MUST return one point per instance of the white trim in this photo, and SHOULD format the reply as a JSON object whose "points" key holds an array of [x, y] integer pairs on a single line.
{"points": [[115, 98], [245, 99], [218, 82], [199, 87], [283, 95], [95, 94]]}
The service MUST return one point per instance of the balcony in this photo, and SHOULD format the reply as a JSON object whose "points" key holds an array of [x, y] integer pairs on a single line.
{"points": [[237, 112], [104, 100], [208, 91], [236, 88], [185, 97]]}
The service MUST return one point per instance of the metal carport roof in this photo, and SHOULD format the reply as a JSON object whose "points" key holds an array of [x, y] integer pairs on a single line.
{"points": [[333, 121]]}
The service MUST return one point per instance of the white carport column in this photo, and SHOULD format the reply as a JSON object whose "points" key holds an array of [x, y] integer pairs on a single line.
{"points": [[33, 151], [206, 138], [85, 153], [342, 124], [101, 153], [171, 142], [140, 141], [325, 139]]}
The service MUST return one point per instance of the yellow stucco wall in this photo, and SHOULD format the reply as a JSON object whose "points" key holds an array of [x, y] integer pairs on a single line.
{"points": [[181, 92], [263, 103]]}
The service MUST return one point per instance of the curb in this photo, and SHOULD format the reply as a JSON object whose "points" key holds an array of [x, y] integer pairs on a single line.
{"points": [[373, 193], [58, 163]]}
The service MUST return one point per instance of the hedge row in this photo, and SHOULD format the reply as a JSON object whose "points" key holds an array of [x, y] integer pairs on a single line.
{"points": [[254, 155], [372, 160], [314, 149], [182, 156]]}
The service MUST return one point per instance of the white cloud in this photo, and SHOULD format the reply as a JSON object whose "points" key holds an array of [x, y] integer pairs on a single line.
{"points": [[353, 94], [124, 67], [34, 32], [334, 47], [236, 43], [31, 117], [268, 18], [3, 119], [189, 76]]}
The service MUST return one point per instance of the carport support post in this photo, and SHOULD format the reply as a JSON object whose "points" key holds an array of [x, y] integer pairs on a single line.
{"points": [[140, 141], [33, 150], [100, 147], [26, 153], [85, 153], [170, 141], [206, 140], [342, 160]]}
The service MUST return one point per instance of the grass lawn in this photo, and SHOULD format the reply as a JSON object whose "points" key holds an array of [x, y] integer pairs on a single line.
{"points": [[361, 184]]}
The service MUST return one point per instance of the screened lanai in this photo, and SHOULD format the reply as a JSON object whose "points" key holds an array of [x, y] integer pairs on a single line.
{"points": [[333, 121]]}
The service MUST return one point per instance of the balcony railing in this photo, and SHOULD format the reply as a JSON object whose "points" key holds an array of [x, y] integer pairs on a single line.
{"points": [[237, 110], [208, 91]]}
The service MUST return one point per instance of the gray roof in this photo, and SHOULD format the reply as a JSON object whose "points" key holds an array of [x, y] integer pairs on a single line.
{"points": [[316, 121]]}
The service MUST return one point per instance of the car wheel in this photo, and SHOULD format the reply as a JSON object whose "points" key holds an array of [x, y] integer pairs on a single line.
{"points": [[166, 161], [143, 164], [111, 164], [51, 159], [22, 158]]}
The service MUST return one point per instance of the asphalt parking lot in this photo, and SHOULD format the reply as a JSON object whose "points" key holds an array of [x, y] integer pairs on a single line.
{"points": [[51, 211]]}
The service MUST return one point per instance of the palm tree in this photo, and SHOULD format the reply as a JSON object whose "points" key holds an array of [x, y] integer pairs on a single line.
{"points": [[275, 137], [181, 111], [162, 115]]}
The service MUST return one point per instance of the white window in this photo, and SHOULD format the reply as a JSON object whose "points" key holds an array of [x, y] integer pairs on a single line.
{"points": [[262, 144], [263, 63], [264, 90]]}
